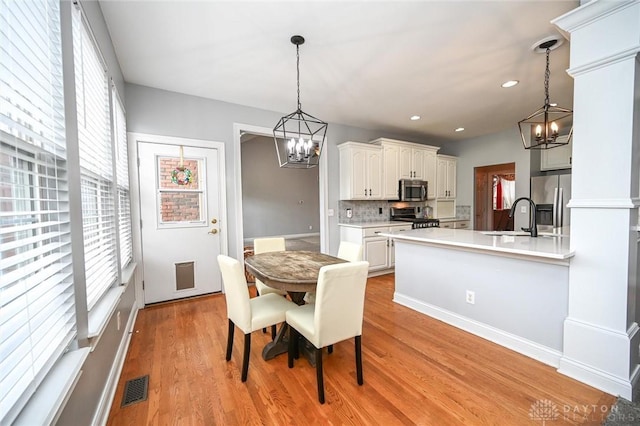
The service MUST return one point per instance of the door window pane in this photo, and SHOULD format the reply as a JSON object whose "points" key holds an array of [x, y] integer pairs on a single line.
{"points": [[181, 196]]}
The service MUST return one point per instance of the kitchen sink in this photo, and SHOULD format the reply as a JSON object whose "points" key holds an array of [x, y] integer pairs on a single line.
{"points": [[521, 234]]}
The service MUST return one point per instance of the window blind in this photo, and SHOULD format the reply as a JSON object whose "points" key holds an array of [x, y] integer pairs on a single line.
{"points": [[96, 163], [122, 179], [37, 321]]}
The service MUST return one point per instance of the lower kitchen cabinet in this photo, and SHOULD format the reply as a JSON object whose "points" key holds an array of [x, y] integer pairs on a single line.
{"points": [[379, 251], [455, 224]]}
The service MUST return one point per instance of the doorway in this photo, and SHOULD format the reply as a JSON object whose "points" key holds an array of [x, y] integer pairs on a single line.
{"points": [[182, 216], [246, 130], [493, 195], [278, 202]]}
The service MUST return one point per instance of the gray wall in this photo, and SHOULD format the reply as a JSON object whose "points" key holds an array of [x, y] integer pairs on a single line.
{"points": [[161, 112], [276, 201], [499, 148], [96, 371]]}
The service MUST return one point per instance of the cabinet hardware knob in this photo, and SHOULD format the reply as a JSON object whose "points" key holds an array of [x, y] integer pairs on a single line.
{"points": [[213, 231], [214, 221]]}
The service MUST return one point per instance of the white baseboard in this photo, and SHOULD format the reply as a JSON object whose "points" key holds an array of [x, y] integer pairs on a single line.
{"points": [[104, 406], [599, 379], [519, 344]]}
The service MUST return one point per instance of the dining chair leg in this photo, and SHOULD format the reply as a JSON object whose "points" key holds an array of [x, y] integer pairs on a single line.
{"points": [[230, 339], [245, 357], [273, 332], [330, 349], [293, 338], [319, 377], [359, 360]]}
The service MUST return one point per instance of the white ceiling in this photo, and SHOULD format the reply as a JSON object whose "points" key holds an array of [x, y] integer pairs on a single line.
{"points": [[369, 64]]}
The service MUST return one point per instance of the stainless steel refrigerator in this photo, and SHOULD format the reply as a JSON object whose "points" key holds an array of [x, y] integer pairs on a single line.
{"points": [[551, 194]]}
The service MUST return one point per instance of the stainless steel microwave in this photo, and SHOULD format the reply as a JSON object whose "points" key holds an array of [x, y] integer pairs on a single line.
{"points": [[413, 190]]}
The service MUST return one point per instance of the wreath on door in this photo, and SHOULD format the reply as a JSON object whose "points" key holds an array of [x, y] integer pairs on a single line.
{"points": [[181, 175]]}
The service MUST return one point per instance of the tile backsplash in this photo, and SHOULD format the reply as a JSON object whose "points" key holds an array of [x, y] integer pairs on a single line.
{"points": [[463, 212], [376, 211], [368, 211]]}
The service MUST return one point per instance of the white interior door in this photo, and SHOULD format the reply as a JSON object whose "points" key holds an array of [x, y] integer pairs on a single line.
{"points": [[180, 212]]}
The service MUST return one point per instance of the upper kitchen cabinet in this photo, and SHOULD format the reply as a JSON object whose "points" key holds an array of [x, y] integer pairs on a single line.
{"points": [[360, 171], [430, 172], [406, 160], [446, 177], [411, 162], [558, 157]]}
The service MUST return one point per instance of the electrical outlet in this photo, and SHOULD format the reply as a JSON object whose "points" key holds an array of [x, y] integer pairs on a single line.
{"points": [[379, 210], [330, 212], [349, 213], [471, 297], [310, 227]]}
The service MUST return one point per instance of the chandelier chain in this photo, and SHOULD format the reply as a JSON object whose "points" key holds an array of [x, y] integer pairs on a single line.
{"points": [[546, 81], [298, 73]]}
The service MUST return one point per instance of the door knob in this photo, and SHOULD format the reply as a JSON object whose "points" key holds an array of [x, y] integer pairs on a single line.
{"points": [[213, 231], [214, 220]]}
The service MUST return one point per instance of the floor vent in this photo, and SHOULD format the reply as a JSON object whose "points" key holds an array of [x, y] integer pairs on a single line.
{"points": [[135, 390]]}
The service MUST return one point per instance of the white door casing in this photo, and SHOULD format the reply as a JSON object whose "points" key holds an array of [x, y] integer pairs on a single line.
{"points": [[180, 241]]}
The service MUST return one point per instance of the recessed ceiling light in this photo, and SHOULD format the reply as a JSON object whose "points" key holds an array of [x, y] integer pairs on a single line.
{"points": [[459, 129], [415, 117], [510, 83]]}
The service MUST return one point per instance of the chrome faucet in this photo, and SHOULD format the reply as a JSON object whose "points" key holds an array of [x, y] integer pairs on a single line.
{"points": [[533, 225]]}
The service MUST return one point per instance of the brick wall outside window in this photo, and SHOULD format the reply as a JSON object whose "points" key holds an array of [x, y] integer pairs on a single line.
{"points": [[179, 205]]}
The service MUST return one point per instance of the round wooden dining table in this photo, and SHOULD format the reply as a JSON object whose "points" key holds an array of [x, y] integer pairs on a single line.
{"points": [[295, 272]]}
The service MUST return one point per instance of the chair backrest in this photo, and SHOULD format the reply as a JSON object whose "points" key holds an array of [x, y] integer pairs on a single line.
{"points": [[350, 251], [340, 302], [265, 245], [236, 292]]}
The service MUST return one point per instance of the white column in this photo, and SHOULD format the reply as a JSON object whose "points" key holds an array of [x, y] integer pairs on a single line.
{"points": [[601, 339]]}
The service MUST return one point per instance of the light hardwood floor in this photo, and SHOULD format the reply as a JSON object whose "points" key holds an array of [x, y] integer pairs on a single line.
{"points": [[417, 370]]}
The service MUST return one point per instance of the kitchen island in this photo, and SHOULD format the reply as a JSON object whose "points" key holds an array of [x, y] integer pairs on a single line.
{"points": [[506, 287]]}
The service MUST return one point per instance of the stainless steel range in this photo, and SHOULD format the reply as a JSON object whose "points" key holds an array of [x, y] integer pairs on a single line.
{"points": [[413, 215]]}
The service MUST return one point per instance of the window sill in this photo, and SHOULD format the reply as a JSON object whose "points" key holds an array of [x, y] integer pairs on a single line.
{"points": [[102, 311], [45, 405], [127, 273]]}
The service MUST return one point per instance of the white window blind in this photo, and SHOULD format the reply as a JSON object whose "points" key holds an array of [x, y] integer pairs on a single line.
{"points": [[122, 179], [96, 163], [37, 321]]}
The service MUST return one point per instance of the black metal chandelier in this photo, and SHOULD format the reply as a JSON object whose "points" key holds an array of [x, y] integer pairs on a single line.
{"points": [[299, 137], [547, 127]]}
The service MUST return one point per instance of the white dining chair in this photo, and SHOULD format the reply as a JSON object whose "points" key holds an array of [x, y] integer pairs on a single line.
{"points": [[246, 313], [265, 245], [337, 315], [346, 251], [350, 251]]}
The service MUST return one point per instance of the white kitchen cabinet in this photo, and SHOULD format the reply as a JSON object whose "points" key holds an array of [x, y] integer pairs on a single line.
{"points": [[391, 175], [360, 171], [446, 177], [558, 157], [379, 251], [406, 160], [430, 172], [455, 224], [411, 162]]}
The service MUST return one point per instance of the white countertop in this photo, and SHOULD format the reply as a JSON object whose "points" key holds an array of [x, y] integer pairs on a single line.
{"points": [[375, 224], [546, 245]]}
